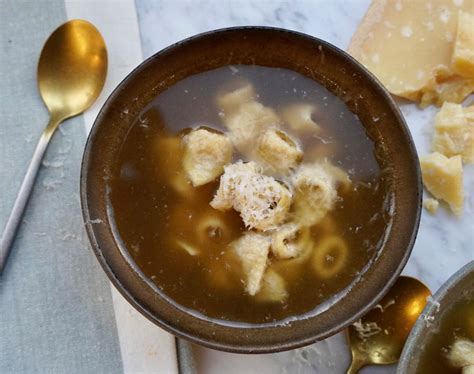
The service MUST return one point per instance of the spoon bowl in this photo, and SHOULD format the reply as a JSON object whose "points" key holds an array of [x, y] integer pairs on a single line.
{"points": [[379, 336], [72, 68], [71, 74]]}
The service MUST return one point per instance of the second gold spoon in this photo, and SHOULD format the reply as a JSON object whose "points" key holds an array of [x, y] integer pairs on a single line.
{"points": [[379, 336]]}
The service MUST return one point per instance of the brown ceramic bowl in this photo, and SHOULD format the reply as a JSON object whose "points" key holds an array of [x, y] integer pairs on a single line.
{"points": [[270, 47]]}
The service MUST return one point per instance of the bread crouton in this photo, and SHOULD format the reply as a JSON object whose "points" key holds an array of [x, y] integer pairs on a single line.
{"points": [[262, 202], [273, 288], [252, 249], [247, 123], [205, 154], [231, 101]]}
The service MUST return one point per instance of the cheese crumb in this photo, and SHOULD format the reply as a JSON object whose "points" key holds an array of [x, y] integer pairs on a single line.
{"points": [[443, 177], [263, 202], [431, 205]]}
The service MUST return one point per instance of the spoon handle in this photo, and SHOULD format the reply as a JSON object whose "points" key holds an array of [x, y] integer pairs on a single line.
{"points": [[25, 191], [356, 365]]}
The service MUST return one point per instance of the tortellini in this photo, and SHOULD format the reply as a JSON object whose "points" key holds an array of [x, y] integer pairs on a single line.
{"points": [[315, 193], [278, 151], [329, 257], [205, 154], [290, 240], [212, 227], [299, 118]]}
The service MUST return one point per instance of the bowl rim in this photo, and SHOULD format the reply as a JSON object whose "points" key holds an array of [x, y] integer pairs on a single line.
{"points": [[431, 308], [378, 87]]}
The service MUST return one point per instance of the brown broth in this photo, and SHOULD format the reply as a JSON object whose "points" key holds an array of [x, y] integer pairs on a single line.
{"points": [[149, 214], [457, 322]]}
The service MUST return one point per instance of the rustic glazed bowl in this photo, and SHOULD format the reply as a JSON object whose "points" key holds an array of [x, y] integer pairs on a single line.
{"points": [[269, 47], [458, 287]]}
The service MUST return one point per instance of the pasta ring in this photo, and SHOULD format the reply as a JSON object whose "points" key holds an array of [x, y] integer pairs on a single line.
{"points": [[330, 256], [211, 227]]}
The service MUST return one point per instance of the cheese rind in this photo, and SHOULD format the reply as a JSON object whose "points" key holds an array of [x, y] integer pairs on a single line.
{"points": [[443, 177], [408, 45], [463, 54]]}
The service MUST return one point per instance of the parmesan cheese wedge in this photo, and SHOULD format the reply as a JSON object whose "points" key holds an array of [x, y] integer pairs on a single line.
{"points": [[408, 45], [443, 177], [463, 55], [454, 131]]}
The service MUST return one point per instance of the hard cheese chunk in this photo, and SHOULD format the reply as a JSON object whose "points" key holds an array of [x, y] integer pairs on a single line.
{"points": [[454, 131], [431, 205], [443, 177], [252, 250], [463, 55], [409, 44], [205, 154], [278, 151], [263, 202]]}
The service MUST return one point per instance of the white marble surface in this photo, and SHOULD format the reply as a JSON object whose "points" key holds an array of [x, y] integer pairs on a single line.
{"points": [[444, 243]]}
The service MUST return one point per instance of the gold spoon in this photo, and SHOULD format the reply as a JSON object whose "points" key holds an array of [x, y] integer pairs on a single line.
{"points": [[379, 336], [71, 73]]}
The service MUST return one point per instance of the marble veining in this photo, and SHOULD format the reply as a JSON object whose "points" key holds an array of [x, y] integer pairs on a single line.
{"points": [[444, 243]]}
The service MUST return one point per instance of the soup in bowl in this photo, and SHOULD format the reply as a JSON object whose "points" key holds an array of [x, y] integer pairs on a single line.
{"points": [[251, 189]]}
